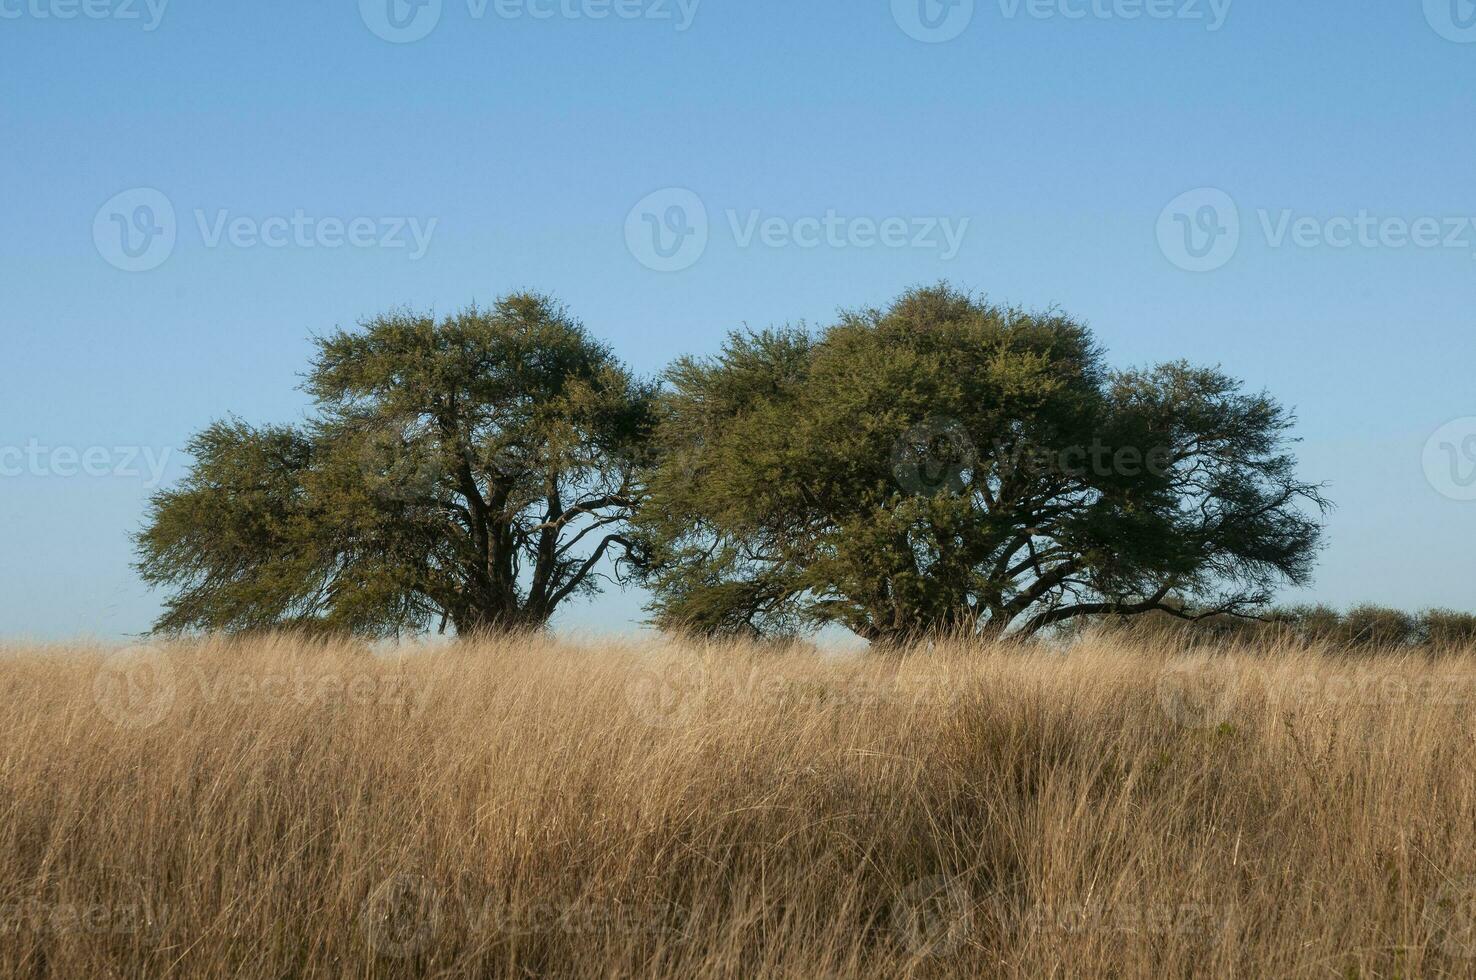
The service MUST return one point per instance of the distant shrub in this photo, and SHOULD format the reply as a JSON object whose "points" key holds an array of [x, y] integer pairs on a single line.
{"points": [[1161, 627], [1377, 626], [1313, 624], [1364, 627], [1446, 628]]}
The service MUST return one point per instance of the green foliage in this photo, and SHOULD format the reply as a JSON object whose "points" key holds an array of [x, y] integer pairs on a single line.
{"points": [[1448, 629], [473, 470], [1314, 623], [1362, 628], [1375, 626], [948, 465]]}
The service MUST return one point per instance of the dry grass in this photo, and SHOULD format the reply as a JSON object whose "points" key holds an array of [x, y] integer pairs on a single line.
{"points": [[531, 808]]}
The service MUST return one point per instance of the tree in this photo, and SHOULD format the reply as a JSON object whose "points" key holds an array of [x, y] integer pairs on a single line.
{"points": [[474, 470], [949, 465]]}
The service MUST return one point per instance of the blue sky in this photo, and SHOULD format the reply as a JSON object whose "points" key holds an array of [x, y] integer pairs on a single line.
{"points": [[1087, 154]]}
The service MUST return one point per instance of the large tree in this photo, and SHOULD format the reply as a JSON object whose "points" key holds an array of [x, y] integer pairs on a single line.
{"points": [[949, 465], [474, 471]]}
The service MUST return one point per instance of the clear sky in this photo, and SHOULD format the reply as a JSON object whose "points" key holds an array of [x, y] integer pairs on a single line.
{"points": [[188, 191]]}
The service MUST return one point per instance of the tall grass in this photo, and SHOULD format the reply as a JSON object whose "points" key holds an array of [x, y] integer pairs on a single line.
{"points": [[519, 808]]}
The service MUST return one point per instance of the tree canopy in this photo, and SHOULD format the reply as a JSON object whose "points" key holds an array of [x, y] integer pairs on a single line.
{"points": [[940, 465], [949, 465], [474, 470]]}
